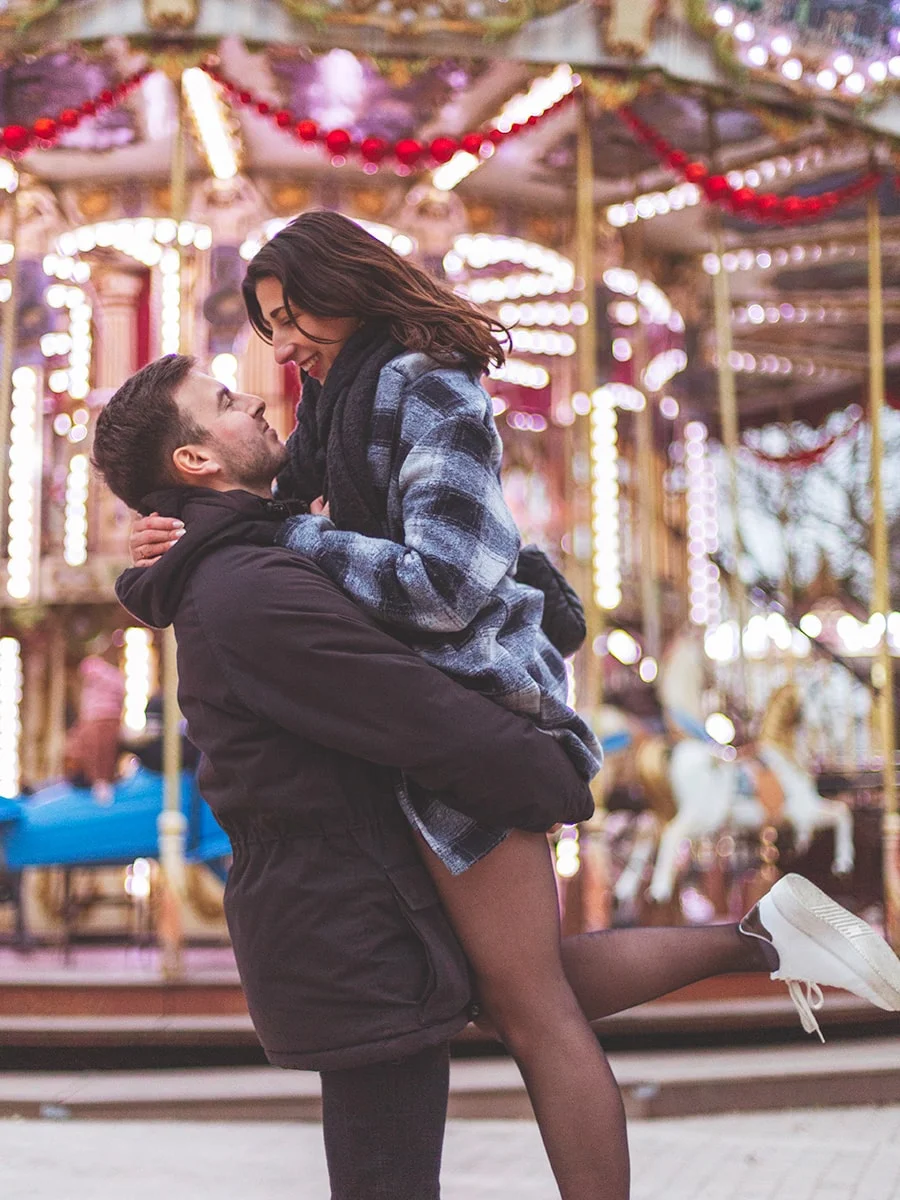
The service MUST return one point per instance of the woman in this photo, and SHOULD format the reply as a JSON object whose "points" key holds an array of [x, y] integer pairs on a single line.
{"points": [[397, 456]]}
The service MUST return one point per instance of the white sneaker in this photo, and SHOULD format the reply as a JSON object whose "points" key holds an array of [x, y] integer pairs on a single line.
{"points": [[819, 942]]}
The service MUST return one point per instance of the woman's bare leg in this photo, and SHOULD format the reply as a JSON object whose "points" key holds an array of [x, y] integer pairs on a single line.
{"points": [[505, 913]]}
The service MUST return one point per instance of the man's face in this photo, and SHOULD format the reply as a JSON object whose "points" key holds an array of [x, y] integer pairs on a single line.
{"points": [[239, 441]]}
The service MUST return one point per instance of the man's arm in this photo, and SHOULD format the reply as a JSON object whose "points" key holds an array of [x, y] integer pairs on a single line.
{"points": [[300, 654]]}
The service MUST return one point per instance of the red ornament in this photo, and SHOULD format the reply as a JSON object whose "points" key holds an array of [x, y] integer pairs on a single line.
{"points": [[471, 142], [106, 98], [284, 119], [338, 141], [306, 131], [245, 97], [496, 136], [16, 138], [262, 108], [408, 151], [768, 205], [45, 129], [89, 108], [442, 149], [69, 118], [716, 187], [677, 159], [829, 199], [661, 146], [742, 198], [532, 120], [695, 172], [792, 207], [373, 149], [814, 206]]}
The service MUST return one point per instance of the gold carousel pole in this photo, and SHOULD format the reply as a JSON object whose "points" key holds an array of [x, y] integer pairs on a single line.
{"points": [[883, 668], [7, 363], [172, 823], [728, 413], [728, 418], [593, 902], [587, 377]]}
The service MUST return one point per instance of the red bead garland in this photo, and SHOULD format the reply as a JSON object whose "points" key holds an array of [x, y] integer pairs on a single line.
{"points": [[760, 206], [409, 153], [16, 139], [804, 458]]}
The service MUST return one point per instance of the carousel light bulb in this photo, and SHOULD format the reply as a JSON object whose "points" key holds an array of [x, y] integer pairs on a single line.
{"points": [[724, 16], [758, 55], [744, 31], [855, 83], [224, 368], [76, 524], [137, 671], [781, 45], [827, 79], [24, 476], [669, 407], [843, 63], [10, 719], [792, 68], [877, 71], [604, 496]]}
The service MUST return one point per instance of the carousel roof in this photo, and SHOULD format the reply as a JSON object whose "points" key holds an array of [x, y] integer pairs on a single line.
{"points": [[787, 99]]}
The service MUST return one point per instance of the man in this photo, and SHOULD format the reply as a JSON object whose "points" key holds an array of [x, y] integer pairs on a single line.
{"points": [[304, 710]]}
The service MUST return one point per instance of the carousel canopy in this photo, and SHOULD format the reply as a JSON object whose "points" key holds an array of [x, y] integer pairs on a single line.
{"points": [[789, 101]]}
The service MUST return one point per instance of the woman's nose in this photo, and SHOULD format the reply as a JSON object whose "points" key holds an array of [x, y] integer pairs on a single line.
{"points": [[282, 348]]}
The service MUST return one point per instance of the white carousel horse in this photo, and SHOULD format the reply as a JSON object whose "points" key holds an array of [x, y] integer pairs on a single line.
{"points": [[697, 791]]}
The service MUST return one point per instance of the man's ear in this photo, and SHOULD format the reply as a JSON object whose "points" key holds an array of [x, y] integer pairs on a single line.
{"points": [[195, 463]]}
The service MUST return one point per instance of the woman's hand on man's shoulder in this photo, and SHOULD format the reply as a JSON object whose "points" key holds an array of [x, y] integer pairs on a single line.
{"points": [[151, 537]]}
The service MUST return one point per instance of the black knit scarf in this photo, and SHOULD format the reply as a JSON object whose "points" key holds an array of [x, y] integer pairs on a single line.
{"points": [[328, 448]]}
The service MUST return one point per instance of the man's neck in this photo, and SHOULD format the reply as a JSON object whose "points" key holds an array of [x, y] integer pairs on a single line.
{"points": [[264, 491]]}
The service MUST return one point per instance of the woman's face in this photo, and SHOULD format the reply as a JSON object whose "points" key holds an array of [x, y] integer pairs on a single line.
{"points": [[291, 344]]}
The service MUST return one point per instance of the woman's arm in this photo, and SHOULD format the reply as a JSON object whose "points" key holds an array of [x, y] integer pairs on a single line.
{"points": [[459, 536]]}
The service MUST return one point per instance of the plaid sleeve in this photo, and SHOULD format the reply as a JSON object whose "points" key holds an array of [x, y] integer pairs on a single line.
{"points": [[460, 538]]}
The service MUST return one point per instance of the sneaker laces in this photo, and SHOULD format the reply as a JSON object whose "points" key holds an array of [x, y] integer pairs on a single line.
{"points": [[807, 1004]]}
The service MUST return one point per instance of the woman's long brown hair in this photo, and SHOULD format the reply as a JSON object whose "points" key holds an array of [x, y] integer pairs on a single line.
{"points": [[329, 266]]}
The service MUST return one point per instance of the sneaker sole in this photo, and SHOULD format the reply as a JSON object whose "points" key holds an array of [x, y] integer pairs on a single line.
{"points": [[854, 943]]}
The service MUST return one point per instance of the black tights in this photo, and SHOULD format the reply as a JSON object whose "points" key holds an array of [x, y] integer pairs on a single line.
{"points": [[541, 993], [384, 1127]]}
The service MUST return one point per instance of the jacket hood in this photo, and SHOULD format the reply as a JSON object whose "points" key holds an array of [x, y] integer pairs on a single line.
{"points": [[212, 520]]}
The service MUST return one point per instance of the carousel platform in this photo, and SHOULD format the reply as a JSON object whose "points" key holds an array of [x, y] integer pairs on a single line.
{"points": [[654, 1084], [112, 1000]]}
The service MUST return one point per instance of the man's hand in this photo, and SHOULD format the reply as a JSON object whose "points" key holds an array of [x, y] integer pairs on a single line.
{"points": [[151, 537], [319, 508]]}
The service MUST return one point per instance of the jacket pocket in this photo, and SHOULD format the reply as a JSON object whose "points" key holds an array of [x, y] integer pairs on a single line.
{"points": [[446, 981]]}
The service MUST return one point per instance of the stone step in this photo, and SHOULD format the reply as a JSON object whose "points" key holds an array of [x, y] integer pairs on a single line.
{"points": [[654, 1084]]}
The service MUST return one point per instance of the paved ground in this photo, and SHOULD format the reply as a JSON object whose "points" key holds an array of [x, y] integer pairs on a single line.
{"points": [[828, 1154]]}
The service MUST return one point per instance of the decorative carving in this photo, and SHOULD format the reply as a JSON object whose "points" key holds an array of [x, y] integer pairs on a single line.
{"points": [[495, 18], [168, 15], [288, 197], [94, 203], [629, 25]]}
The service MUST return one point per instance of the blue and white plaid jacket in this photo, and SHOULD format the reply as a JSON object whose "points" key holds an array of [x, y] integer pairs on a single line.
{"points": [[445, 581]]}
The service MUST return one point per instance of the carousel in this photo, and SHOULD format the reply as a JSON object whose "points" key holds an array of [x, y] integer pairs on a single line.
{"points": [[685, 214]]}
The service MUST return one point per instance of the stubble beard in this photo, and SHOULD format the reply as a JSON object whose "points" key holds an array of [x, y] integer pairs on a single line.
{"points": [[256, 467]]}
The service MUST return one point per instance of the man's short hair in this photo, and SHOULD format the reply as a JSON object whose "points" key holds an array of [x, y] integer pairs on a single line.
{"points": [[140, 428]]}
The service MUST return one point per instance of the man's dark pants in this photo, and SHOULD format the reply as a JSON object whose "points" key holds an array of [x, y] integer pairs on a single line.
{"points": [[384, 1127]]}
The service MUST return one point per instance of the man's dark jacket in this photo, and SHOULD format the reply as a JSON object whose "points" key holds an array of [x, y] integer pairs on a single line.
{"points": [[303, 710]]}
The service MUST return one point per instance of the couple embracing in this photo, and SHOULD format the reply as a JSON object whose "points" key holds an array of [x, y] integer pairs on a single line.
{"points": [[384, 727]]}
